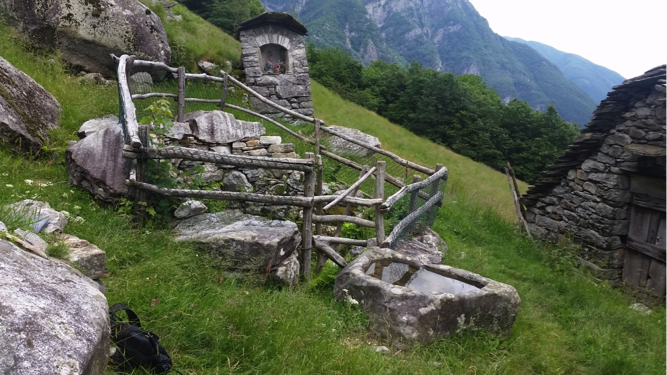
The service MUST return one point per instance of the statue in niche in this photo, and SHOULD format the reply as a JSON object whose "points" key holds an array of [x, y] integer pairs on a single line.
{"points": [[277, 67]]}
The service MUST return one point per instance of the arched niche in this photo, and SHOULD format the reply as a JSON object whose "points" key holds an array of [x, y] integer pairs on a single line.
{"points": [[274, 59]]}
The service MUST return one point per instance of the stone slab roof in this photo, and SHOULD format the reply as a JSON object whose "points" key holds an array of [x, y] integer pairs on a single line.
{"points": [[605, 118], [274, 18]]}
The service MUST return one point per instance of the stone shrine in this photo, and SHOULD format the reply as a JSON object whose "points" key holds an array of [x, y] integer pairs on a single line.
{"points": [[273, 55]]}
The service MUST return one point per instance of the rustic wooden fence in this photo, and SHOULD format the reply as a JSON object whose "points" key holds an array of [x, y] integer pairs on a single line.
{"points": [[313, 203]]}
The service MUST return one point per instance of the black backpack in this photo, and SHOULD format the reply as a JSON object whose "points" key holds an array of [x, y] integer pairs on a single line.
{"points": [[136, 347]]}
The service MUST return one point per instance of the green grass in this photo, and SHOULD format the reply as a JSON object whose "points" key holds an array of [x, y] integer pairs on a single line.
{"points": [[212, 323]]}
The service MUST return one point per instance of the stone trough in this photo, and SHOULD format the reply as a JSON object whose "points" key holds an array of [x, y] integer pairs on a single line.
{"points": [[409, 302]]}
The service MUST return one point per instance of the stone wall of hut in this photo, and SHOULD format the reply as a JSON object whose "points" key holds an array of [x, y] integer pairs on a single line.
{"points": [[585, 196]]}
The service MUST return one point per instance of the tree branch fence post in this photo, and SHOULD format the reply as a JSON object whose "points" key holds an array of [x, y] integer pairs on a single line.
{"points": [[223, 99], [181, 94], [434, 190], [142, 161], [414, 196], [379, 193], [309, 192]]}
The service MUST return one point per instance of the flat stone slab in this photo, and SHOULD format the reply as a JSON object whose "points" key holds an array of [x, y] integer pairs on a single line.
{"points": [[45, 218], [240, 241], [402, 307], [221, 127]]}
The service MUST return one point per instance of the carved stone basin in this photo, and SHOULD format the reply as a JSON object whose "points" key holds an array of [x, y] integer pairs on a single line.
{"points": [[409, 302]]}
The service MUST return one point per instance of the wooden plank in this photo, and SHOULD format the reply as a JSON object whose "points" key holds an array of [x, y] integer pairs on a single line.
{"points": [[439, 174], [321, 258], [647, 201], [640, 218], [662, 233], [343, 218], [651, 186], [654, 225], [330, 253], [224, 195], [349, 190], [342, 240], [153, 95], [648, 249], [635, 268], [656, 278], [353, 200], [379, 194]]}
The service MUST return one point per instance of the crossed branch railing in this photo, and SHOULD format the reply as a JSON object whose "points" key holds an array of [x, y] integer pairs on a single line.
{"points": [[313, 203]]}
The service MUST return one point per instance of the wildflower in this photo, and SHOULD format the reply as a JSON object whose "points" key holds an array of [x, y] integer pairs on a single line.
{"points": [[79, 220], [66, 214], [193, 305], [154, 301], [29, 182], [9, 185], [65, 195], [246, 293], [5, 174], [76, 208]]}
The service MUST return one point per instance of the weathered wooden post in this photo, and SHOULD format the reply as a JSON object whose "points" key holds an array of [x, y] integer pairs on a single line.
{"points": [[434, 190], [379, 193], [142, 161], [309, 192], [414, 196], [224, 90], [181, 94]]}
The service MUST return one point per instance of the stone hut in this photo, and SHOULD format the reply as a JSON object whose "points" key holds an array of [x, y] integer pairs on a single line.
{"points": [[607, 191], [273, 56]]}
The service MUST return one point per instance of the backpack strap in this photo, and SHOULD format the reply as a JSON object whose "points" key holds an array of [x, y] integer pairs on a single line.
{"points": [[131, 315]]}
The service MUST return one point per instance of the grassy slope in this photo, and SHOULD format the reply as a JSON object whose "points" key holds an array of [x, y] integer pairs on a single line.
{"points": [[213, 324]]}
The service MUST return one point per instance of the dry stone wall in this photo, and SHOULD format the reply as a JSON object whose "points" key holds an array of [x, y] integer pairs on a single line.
{"points": [[586, 194]]}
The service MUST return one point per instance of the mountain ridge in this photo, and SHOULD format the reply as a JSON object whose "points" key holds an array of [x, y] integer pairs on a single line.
{"points": [[450, 35]]}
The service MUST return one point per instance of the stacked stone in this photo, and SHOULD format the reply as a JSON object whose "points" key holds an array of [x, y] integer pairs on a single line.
{"points": [[585, 195], [290, 90], [270, 146]]}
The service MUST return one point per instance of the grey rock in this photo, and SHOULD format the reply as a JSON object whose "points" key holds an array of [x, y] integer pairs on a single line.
{"points": [[91, 126], [88, 258], [32, 239], [270, 140], [3, 227], [236, 181], [382, 350], [281, 148], [221, 127], [641, 308], [190, 208], [342, 146], [407, 316], [209, 68], [288, 270], [101, 286], [94, 79], [96, 164], [287, 155], [225, 150], [37, 211], [54, 319], [86, 33], [141, 83], [27, 111], [240, 241], [259, 152], [179, 130]]}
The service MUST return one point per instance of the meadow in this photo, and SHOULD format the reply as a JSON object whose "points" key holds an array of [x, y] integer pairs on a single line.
{"points": [[212, 323]]}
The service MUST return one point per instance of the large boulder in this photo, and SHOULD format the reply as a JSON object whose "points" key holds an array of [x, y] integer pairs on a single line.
{"points": [[410, 302], [27, 111], [87, 32], [96, 164], [221, 127], [341, 146], [241, 242], [53, 319]]}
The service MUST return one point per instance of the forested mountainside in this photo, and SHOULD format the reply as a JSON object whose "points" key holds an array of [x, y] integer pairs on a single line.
{"points": [[595, 80], [447, 35]]}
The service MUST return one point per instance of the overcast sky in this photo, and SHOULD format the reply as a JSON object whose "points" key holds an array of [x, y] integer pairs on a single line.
{"points": [[628, 37]]}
